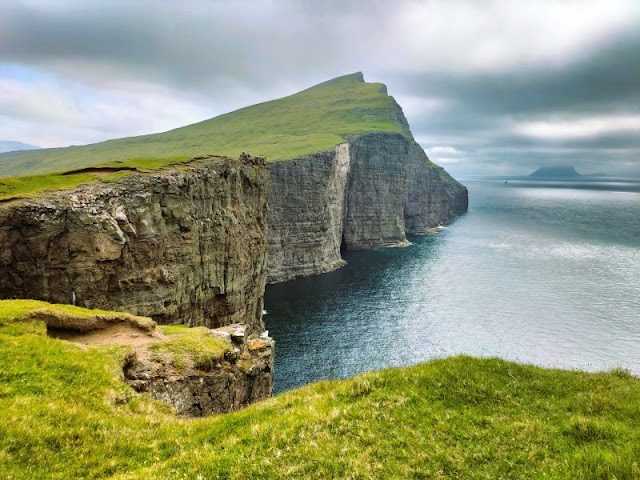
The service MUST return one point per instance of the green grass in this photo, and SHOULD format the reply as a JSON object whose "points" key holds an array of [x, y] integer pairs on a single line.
{"points": [[67, 414], [32, 185], [309, 121], [12, 311], [21, 187]]}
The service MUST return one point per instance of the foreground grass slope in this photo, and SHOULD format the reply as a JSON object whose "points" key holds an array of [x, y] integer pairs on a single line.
{"points": [[315, 119], [67, 414]]}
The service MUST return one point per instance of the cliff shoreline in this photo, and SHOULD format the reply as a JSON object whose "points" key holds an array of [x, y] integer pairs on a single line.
{"points": [[368, 192]]}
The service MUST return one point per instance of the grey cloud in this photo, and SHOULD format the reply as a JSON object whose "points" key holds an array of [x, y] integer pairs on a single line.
{"points": [[223, 55], [614, 140], [205, 44], [483, 109], [606, 77], [124, 40]]}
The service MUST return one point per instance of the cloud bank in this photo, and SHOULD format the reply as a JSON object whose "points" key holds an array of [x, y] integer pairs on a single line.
{"points": [[489, 87]]}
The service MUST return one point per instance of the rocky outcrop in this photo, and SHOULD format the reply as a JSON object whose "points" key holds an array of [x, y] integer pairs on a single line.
{"points": [[185, 245], [371, 191], [198, 371], [242, 375]]}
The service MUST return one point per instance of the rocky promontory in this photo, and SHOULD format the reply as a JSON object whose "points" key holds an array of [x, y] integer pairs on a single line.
{"points": [[346, 174], [194, 241], [197, 371], [202, 381], [371, 190]]}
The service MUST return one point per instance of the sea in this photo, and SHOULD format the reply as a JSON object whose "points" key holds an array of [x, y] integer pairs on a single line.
{"points": [[544, 272]]}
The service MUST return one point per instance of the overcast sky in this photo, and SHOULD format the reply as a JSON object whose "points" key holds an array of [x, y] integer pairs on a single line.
{"points": [[489, 87]]}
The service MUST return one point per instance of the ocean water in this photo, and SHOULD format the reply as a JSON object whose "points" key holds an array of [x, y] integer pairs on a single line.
{"points": [[541, 272]]}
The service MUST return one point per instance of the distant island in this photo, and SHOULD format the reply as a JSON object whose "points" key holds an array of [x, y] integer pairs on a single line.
{"points": [[552, 172], [562, 172]]}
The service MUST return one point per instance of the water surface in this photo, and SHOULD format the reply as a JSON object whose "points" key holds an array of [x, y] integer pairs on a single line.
{"points": [[543, 272]]}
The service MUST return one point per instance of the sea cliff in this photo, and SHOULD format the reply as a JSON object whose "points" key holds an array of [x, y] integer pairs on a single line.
{"points": [[194, 241], [370, 191], [346, 174]]}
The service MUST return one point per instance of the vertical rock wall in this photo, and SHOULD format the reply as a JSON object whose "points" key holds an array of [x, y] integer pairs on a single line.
{"points": [[433, 196], [375, 197], [181, 246], [306, 214]]}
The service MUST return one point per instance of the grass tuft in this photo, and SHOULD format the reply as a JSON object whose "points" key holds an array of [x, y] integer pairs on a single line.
{"points": [[17, 310]]}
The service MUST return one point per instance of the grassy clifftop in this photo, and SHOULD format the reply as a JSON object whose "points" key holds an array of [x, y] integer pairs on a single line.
{"points": [[66, 413], [315, 119]]}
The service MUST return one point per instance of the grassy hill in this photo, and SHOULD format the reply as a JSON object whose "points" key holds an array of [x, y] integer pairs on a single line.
{"points": [[67, 414], [315, 119]]}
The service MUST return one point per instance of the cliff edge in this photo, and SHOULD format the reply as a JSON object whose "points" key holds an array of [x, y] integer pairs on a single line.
{"points": [[197, 371]]}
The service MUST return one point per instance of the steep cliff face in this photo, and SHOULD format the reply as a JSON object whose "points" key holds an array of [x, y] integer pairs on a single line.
{"points": [[375, 198], [185, 245], [306, 204], [369, 192], [433, 196]]}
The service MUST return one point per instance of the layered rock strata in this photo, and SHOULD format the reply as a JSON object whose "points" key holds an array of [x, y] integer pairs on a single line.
{"points": [[370, 191], [433, 197], [377, 187], [186, 245]]}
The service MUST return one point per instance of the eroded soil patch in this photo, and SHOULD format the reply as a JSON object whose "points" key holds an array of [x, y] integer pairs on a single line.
{"points": [[116, 334]]}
